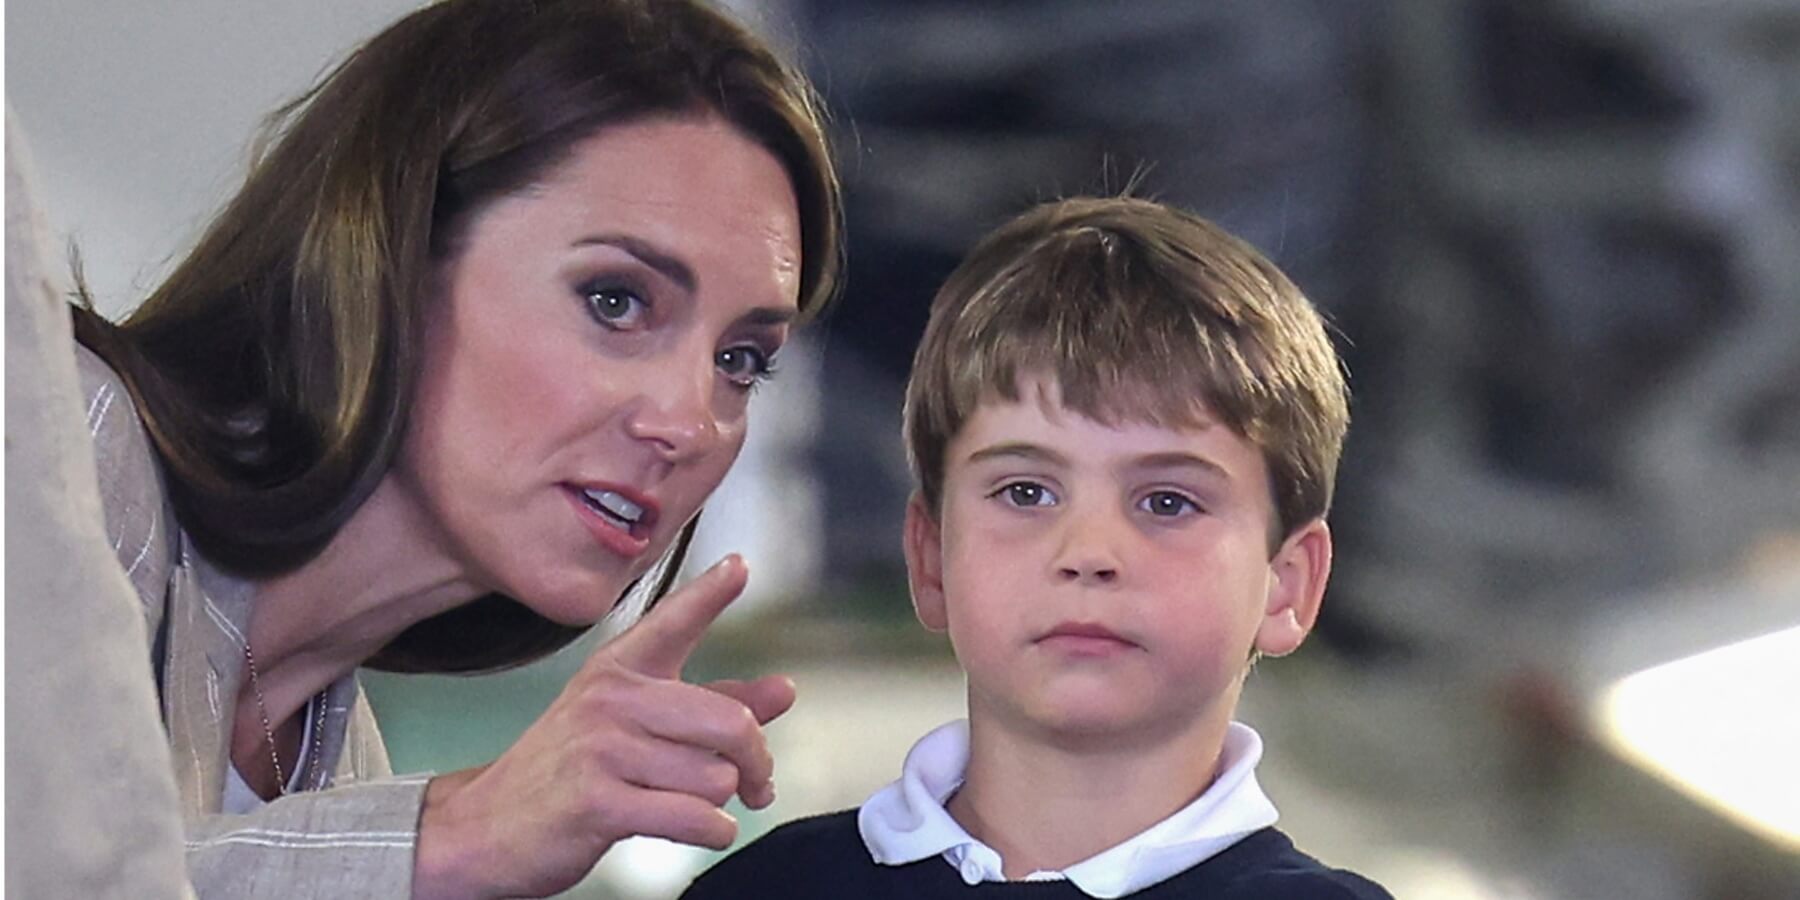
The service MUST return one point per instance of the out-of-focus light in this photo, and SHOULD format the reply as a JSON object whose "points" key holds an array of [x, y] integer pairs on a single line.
{"points": [[1422, 872], [1722, 726], [643, 868]]}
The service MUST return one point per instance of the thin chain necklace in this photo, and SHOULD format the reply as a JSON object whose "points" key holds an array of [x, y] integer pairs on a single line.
{"points": [[262, 710]]}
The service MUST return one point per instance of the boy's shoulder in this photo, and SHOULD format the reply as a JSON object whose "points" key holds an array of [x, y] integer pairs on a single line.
{"points": [[829, 840], [818, 856], [1267, 865]]}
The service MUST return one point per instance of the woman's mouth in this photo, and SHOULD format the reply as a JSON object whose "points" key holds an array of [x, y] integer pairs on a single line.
{"points": [[618, 519], [614, 507]]}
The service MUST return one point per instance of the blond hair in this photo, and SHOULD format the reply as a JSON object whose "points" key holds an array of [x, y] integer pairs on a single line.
{"points": [[1143, 313]]}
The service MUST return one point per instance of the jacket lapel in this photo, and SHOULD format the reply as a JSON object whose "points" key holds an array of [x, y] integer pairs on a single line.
{"points": [[204, 669]]}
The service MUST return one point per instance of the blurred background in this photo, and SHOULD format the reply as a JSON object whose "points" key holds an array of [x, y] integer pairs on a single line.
{"points": [[1560, 242]]}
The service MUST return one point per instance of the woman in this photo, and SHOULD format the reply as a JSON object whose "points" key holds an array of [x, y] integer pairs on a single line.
{"points": [[450, 374]]}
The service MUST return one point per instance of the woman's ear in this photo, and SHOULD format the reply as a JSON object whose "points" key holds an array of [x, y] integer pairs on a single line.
{"points": [[1297, 576], [925, 564]]}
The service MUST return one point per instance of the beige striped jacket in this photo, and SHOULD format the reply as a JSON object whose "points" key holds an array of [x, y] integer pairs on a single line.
{"points": [[351, 833]]}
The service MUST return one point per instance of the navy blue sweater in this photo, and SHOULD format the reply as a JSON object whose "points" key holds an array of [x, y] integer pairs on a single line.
{"points": [[824, 857]]}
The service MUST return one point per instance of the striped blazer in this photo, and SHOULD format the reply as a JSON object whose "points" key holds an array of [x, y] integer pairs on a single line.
{"points": [[351, 832]]}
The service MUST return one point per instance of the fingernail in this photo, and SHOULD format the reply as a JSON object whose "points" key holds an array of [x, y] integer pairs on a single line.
{"points": [[761, 799]]}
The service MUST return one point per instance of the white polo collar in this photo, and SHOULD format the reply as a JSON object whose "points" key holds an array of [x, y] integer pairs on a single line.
{"points": [[906, 821]]}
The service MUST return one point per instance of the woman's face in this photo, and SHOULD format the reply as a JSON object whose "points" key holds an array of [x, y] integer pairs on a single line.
{"points": [[588, 365]]}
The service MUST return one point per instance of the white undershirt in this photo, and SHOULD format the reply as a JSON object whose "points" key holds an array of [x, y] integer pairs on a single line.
{"points": [[906, 821], [239, 799]]}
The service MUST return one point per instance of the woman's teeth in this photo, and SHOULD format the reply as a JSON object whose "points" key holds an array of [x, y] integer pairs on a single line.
{"points": [[615, 507]]}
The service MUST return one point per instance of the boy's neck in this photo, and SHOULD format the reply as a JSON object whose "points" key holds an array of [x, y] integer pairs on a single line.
{"points": [[1045, 804]]}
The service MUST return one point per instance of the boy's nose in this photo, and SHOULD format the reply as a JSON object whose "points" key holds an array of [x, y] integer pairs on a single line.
{"points": [[1087, 553], [1094, 571]]}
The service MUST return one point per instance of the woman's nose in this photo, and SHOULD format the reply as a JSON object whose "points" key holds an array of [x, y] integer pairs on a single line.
{"points": [[676, 416]]}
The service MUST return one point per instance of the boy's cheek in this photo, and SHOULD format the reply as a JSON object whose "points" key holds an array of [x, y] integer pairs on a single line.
{"points": [[974, 553], [1199, 644], [993, 542], [971, 643]]}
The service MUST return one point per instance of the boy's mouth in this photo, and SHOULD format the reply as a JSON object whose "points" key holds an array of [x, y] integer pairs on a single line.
{"points": [[1086, 638]]}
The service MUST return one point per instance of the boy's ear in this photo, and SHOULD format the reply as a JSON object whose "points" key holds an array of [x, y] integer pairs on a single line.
{"points": [[1297, 576], [925, 565]]}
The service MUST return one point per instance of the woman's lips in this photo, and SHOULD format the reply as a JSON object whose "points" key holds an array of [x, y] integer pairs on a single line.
{"points": [[610, 531]]}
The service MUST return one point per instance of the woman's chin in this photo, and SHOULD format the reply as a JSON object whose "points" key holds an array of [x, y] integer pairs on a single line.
{"points": [[580, 601]]}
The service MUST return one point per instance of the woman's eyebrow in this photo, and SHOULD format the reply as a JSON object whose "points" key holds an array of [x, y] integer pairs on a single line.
{"points": [[770, 315], [672, 268], [649, 254]]}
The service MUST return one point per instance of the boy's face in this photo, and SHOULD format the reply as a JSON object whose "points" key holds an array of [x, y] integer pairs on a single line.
{"points": [[1105, 582]]}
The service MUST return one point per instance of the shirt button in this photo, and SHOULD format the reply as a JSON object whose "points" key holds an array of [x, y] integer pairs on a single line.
{"points": [[971, 871]]}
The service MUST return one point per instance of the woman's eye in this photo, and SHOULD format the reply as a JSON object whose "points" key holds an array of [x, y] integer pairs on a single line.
{"points": [[745, 366], [615, 307], [1167, 504], [1026, 493]]}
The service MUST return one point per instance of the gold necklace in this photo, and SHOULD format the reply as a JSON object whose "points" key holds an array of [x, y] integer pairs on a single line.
{"points": [[262, 710]]}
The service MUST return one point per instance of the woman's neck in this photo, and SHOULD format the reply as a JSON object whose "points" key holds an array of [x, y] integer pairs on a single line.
{"points": [[1046, 805], [386, 569]]}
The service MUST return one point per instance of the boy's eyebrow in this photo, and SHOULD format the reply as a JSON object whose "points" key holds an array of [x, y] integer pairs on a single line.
{"points": [[1019, 449], [1173, 459], [1176, 459]]}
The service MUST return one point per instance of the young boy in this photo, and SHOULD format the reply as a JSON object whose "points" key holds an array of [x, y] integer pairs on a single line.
{"points": [[1125, 425]]}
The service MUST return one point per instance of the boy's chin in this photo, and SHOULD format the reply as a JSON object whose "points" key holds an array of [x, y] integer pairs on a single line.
{"points": [[1103, 726]]}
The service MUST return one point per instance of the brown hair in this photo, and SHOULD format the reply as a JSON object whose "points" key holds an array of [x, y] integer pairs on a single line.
{"points": [[275, 366], [1140, 312]]}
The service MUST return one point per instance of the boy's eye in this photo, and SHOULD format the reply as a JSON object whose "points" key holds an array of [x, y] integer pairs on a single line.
{"points": [[745, 366], [1026, 493], [618, 308], [1167, 504]]}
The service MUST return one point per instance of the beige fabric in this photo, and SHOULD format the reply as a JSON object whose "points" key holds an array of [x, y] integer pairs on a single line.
{"points": [[90, 806], [355, 838], [92, 810]]}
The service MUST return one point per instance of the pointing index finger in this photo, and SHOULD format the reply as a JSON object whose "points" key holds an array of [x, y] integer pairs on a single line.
{"points": [[660, 642]]}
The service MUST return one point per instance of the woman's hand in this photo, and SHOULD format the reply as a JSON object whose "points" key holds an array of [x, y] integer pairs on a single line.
{"points": [[626, 749]]}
